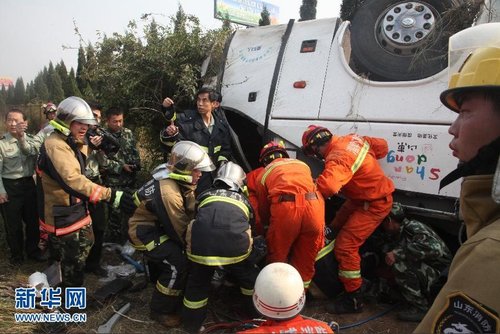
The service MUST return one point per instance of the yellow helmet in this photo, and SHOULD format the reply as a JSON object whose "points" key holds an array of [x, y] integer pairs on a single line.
{"points": [[481, 68]]}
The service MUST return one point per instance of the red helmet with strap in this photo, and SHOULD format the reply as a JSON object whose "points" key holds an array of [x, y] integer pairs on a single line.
{"points": [[271, 151], [314, 135], [49, 107]]}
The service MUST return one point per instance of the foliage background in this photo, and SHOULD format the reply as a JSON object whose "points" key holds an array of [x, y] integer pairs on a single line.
{"points": [[132, 71]]}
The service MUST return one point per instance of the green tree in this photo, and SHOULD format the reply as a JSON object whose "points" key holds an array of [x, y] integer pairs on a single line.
{"points": [[63, 74], [56, 90], [41, 90], [308, 10], [82, 61], [347, 9], [19, 92], [72, 85], [30, 92], [10, 96], [264, 17]]}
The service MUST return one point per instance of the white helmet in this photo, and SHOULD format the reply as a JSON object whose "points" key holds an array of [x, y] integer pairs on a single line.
{"points": [[232, 175], [279, 291], [74, 109], [187, 156]]}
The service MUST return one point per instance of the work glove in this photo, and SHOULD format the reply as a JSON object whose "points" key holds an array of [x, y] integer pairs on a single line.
{"points": [[123, 200]]}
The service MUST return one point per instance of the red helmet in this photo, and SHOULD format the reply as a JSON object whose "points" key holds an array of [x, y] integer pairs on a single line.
{"points": [[271, 151], [314, 135], [49, 107]]}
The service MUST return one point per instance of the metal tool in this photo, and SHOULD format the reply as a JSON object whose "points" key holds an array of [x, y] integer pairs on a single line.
{"points": [[108, 325]]}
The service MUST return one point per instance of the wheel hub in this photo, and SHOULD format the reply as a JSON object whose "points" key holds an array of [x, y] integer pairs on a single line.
{"points": [[404, 26]]}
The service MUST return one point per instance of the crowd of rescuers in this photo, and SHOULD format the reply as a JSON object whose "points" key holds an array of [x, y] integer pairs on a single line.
{"points": [[281, 250]]}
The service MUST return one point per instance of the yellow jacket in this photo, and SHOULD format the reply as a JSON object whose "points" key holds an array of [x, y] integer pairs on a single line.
{"points": [[469, 302], [66, 184]]}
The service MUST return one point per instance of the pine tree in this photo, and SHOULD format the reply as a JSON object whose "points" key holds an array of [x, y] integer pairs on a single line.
{"points": [[264, 17], [41, 90], [63, 74], [72, 85], [56, 91], [19, 92], [80, 69], [347, 9], [308, 10], [30, 92]]}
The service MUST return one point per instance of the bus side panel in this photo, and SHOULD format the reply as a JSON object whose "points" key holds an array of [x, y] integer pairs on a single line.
{"points": [[417, 159], [249, 69]]}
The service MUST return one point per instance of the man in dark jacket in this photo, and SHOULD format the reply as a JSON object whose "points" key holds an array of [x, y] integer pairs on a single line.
{"points": [[205, 126]]}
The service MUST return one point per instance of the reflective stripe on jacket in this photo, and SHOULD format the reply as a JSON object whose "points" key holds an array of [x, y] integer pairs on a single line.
{"points": [[351, 167], [167, 207], [64, 177], [220, 234]]}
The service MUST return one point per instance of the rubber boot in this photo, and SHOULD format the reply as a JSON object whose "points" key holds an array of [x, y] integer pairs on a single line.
{"points": [[348, 302]]}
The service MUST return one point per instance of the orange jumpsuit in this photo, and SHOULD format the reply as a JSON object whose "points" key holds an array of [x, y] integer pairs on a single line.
{"points": [[295, 325], [288, 201], [351, 167], [252, 197]]}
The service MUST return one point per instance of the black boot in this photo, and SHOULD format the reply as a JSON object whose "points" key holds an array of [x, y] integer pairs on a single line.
{"points": [[348, 302]]}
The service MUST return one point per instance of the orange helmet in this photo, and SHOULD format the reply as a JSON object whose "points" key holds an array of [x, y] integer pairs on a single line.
{"points": [[314, 135], [271, 151]]}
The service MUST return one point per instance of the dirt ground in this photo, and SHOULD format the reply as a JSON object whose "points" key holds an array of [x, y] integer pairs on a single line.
{"points": [[224, 308]]}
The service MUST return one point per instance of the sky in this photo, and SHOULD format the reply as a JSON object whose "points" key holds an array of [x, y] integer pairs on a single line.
{"points": [[38, 31]]}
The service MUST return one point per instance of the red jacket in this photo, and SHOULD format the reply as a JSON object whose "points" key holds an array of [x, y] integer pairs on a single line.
{"points": [[294, 325], [351, 166]]}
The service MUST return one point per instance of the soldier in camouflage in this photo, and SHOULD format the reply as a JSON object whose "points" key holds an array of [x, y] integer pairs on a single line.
{"points": [[417, 258], [119, 171]]}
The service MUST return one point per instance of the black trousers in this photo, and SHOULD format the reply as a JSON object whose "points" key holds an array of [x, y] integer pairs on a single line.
{"points": [[171, 263], [98, 215], [21, 208], [198, 288]]}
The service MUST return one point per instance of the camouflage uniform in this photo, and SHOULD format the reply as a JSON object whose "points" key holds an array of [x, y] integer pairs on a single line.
{"points": [[421, 255], [114, 176]]}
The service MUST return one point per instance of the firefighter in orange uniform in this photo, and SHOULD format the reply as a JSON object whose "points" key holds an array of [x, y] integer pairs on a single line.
{"points": [[252, 198], [289, 203], [351, 167]]}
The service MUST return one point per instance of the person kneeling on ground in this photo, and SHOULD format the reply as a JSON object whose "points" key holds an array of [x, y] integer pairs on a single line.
{"points": [[280, 296], [417, 260]]}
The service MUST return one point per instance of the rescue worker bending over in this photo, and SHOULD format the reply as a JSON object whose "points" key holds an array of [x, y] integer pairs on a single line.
{"points": [[280, 296], [158, 225], [417, 259], [289, 203], [205, 126], [351, 167], [67, 191], [220, 236]]}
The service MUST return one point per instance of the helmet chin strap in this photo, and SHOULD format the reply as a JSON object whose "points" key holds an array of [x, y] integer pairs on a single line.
{"points": [[483, 163], [162, 172]]}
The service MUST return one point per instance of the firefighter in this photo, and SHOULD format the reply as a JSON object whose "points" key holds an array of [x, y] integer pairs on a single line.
{"points": [[292, 208], [67, 191], [351, 167], [280, 296], [224, 214], [469, 301], [158, 225]]}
